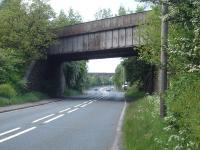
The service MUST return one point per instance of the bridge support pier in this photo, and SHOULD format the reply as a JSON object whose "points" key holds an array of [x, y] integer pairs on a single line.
{"points": [[46, 76], [55, 79]]}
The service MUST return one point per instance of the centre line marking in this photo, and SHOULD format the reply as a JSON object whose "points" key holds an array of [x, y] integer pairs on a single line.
{"points": [[52, 119], [90, 102], [72, 110], [17, 134], [64, 110], [42, 118], [84, 105], [1, 134], [81, 104]]}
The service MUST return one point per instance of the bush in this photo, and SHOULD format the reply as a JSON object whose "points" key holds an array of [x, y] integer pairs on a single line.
{"points": [[183, 99], [28, 97], [133, 94], [4, 101], [22, 86], [7, 91]]}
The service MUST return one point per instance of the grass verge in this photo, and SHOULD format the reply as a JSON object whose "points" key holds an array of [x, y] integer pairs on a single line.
{"points": [[142, 127], [25, 98]]}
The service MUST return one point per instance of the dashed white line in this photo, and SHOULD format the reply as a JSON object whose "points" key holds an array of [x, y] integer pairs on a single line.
{"points": [[78, 105], [15, 129], [52, 119], [72, 110], [90, 102], [17, 134], [42, 118], [84, 105], [64, 110]]}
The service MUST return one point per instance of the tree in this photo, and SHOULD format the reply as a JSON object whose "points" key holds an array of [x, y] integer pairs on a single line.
{"points": [[123, 11], [103, 13], [118, 76], [140, 8], [64, 19], [139, 72], [24, 36]]}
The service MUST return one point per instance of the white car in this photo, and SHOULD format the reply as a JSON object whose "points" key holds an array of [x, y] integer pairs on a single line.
{"points": [[125, 86]]}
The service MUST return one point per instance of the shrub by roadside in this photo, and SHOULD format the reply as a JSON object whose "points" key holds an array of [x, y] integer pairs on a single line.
{"points": [[133, 94], [9, 96], [179, 130], [7, 91], [183, 101]]}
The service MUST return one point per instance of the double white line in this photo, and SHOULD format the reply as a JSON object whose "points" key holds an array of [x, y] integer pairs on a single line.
{"points": [[42, 118], [15, 135]]}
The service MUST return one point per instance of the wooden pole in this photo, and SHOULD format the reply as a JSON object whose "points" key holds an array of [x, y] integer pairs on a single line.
{"points": [[163, 58]]}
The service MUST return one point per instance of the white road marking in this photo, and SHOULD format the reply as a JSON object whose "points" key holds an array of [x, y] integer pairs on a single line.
{"points": [[81, 104], [42, 118], [1, 134], [78, 105], [84, 105], [17, 134], [117, 140], [52, 119], [64, 110], [90, 102], [72, 110]]}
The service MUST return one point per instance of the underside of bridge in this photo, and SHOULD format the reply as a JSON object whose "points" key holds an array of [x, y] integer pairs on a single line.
{"points": [[48, 76], [107, 38], [111, 53]]}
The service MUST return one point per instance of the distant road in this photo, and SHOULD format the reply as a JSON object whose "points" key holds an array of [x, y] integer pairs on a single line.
{"points": [[88, 122]]}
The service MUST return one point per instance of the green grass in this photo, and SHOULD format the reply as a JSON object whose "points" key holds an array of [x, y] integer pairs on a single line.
{"points": [[25, 98], [133, 94], [142, 128]]}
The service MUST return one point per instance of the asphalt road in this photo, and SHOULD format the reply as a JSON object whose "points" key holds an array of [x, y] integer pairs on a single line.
{"points": [[88, 122]]}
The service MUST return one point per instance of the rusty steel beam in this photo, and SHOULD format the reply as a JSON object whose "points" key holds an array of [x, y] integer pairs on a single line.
{"points": [[113, 23]]}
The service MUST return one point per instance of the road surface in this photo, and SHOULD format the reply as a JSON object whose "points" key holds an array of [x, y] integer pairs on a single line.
{"points": [[82, 123]]}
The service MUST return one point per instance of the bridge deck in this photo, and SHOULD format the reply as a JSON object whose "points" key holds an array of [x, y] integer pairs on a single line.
{"points": [[111, 37]]}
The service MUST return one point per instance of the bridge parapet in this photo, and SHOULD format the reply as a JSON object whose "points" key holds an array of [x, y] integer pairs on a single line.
{"points": [[113, 23]]}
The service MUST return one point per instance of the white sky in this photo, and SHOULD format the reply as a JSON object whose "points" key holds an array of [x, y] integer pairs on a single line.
{"points": [[87, 9]]}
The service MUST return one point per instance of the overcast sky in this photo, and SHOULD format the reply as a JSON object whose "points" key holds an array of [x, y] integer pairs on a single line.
{"points": [[87, 9]]}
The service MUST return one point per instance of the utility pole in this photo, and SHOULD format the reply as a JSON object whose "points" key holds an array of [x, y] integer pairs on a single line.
{"points": [[163, 58]]}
